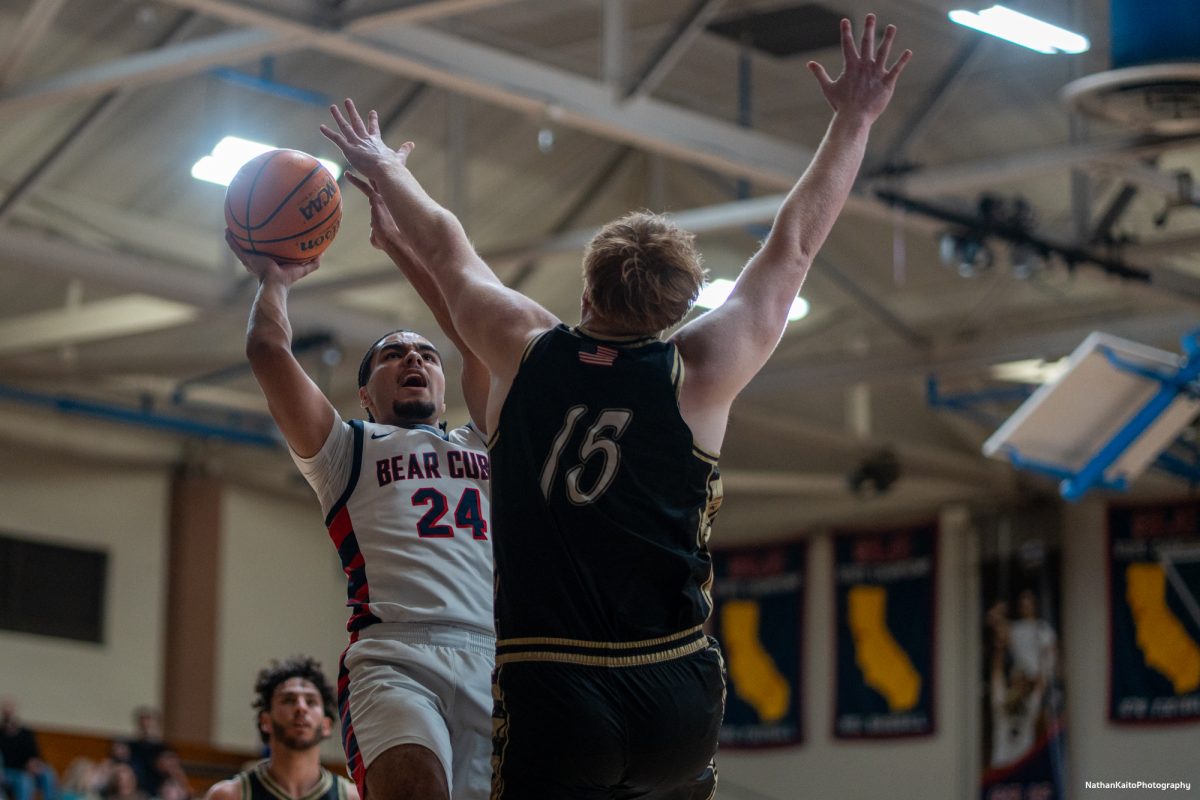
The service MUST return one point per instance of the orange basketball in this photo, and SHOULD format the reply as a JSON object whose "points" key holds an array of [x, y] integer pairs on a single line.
{"points": [[284, 204]]}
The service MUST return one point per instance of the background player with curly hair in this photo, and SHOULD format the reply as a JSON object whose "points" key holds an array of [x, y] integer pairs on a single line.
{"points": [[296, 710]]}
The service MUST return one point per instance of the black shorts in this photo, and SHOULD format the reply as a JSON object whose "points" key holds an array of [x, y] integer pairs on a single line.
{"points": [[562, 730]]}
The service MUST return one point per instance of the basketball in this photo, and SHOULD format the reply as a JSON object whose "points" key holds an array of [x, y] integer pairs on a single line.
{"points": [[283, 204]]}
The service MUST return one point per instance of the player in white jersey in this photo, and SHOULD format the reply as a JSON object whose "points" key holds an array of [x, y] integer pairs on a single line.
{"points": [[406, 504]]}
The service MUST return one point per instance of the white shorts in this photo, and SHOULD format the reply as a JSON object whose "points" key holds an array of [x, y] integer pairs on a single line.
{"points": [[430, 685]]}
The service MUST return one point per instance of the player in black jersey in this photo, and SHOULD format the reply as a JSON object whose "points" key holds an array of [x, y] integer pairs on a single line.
{"points": [[296, 711], [604, 442]]}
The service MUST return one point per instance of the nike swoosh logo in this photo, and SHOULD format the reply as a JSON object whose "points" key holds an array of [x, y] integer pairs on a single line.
{"points": [[381, 435]]}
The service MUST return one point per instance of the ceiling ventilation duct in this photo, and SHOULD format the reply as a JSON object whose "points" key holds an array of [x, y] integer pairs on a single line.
{"points": [[1154, 83]]}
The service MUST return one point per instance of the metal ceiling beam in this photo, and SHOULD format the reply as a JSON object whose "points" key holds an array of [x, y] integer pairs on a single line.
{"points": [[1174, 245], [986, 173], [415, 13], [531, 87], [172, 241], [613, 35], [26, 37], [602, 177], [893, 365], [568, 99], [100, 111], [734, 215], [1103, 227], [929, 459], [151, 67], [26, 251], [932, 102], [777, 483], [668, 52], [871, 305], [1177, 186], [101, 319], [457, 65], [41, 431], [707, 219]]}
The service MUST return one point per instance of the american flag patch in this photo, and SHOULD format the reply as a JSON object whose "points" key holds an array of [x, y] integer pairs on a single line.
{"points": [[602, 357]]}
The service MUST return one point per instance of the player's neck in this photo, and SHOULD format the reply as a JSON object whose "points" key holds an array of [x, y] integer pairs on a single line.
{"points": [[411, 423], [592, 324], [296, 771]]}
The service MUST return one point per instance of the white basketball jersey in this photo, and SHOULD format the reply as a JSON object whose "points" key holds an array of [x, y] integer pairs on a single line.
{"points": [[410, 522]]}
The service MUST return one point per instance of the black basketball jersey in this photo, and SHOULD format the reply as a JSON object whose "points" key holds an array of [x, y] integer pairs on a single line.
{"points": [[601, 503], [257, 784]]}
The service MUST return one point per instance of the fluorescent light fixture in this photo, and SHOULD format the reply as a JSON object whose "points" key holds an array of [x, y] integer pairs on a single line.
{"points": [[1023, 30], [717, 292], [231, 153], [1032, 370]]}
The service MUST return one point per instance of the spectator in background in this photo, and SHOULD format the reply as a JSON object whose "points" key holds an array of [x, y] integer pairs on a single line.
{"points": [[123, 784], [85, 779], [143, 752], [174, 784], [24, 771]]}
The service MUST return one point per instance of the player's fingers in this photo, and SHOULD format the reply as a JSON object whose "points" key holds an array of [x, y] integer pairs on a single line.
{"points": [[356, 121], [867, 48], [234, 246], [360, 184], [893, 74], [373, 122], [822, 76], [335, 137], [404, 150], [343, 125], [885, 47], [848, 51]]}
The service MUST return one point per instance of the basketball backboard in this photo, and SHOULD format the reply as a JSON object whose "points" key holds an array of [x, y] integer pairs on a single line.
{"points": [[1104, 420]]}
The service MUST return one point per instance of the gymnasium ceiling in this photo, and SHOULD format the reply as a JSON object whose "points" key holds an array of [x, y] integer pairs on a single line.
{"points": [[538, 120]]}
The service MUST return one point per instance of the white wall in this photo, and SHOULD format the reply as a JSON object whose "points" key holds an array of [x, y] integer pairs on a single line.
{"points": [[282, 592], [123, 511]]}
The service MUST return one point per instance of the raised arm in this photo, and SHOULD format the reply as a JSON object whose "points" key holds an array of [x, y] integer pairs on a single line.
{"points": [[494, 321], [299, 408], [385, 236], [726, 347]]}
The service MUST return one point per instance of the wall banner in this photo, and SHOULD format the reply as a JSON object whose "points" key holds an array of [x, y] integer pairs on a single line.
{"points": [[885, 588], [1022, 694], [1154, 612], [758, 596]]}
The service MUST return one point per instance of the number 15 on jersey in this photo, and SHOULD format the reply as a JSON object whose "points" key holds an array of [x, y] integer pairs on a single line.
{"points": [[600, 440]]}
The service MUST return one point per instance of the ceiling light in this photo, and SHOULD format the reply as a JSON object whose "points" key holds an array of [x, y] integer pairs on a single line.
{"points": [[715, 293], [1030, 370], [1024, 30], [231, 153], [967, 253], [1024, 261]]}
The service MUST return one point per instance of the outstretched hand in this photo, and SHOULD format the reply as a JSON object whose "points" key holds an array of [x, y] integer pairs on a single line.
{"points": [[865, 86], [266, 268], [361, 142], [385, 234]]}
